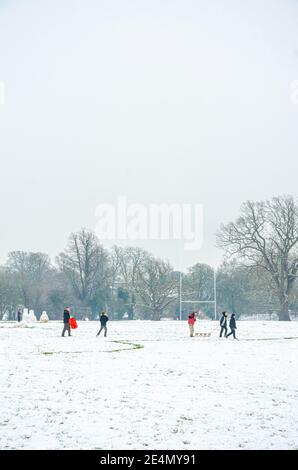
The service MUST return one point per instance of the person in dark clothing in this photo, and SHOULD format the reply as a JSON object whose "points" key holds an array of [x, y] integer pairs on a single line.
{"points": [[66, 318], [223, 324], [19, 315], [233, 326], [103, 322]]}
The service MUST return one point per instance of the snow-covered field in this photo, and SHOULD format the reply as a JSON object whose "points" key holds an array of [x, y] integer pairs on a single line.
{"points": [[170, 392]]}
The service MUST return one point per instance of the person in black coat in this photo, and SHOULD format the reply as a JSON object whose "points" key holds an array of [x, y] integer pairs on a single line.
{"points": [[66, 318], [233, 326], [19, 315], [103, 322], [223, 324]]}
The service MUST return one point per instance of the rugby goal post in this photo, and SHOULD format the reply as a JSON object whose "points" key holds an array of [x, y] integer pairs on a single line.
{"points": [[214, 302]]}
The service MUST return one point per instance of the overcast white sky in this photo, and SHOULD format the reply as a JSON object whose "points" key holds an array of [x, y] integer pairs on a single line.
{"points": [[161, 101]]}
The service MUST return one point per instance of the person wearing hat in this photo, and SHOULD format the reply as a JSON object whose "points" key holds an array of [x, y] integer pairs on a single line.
{"points": [[223, 324], [66, 318], [191, 323], [233, 326]]}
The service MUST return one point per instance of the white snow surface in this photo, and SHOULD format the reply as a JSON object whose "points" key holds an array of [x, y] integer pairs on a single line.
{"points": [[175, 393]]}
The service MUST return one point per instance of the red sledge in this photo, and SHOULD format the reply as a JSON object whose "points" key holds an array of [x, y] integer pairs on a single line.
{"points": [[73, 323]]}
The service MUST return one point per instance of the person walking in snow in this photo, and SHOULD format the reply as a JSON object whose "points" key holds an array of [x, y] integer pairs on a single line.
{"points": [[191, 323], [233, 326], [103, 322], [223, 324], [19, 315], [66, 318]]}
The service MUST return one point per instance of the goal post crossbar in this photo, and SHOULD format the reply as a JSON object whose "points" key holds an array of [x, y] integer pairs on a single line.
{"points": [[181, 301]]}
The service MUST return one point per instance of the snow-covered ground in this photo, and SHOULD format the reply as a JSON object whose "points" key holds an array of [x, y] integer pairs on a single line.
{"points": [[175, 392]]}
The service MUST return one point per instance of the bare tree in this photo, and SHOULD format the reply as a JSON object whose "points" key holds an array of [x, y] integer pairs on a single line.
{"points": [[245, 290], [198, 285], [9, 294], [86, 264], [32, 271], [126, 262], [156, 286], [265, 236]]}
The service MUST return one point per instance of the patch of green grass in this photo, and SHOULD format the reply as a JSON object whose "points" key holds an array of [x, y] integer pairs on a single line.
{"points": [[47, 353], [186, 418], [126, 343], [269, 339]]}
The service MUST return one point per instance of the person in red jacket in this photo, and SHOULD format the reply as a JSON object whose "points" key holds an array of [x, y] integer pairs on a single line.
{"points": [[191, 323]]}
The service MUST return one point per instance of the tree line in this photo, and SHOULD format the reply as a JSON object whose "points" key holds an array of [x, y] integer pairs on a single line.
{"points": [[257, 275]]}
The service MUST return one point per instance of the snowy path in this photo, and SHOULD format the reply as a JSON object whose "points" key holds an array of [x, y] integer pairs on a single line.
{"points": [[175, 393]]}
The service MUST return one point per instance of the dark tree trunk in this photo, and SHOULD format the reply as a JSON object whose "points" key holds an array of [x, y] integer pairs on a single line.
{"points": [[156, 315], [284, 311]]}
